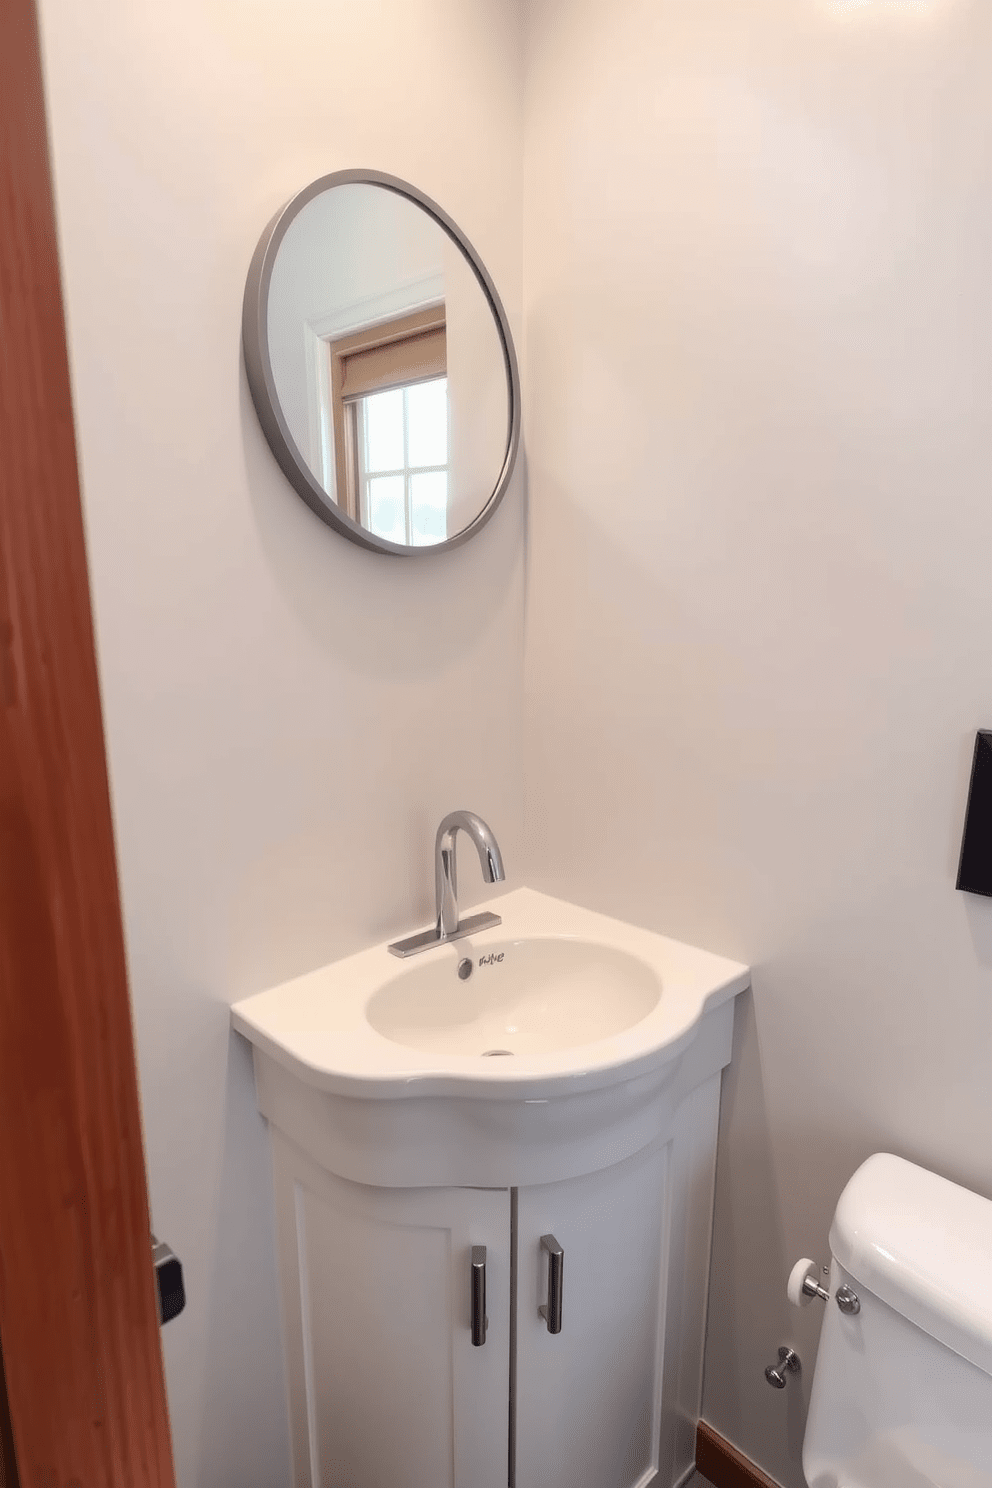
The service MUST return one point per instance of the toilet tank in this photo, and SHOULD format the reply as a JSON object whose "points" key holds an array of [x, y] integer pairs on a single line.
{"points": [[902, 1391]]}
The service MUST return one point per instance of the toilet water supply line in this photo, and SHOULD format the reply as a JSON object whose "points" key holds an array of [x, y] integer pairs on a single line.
{"points": [[801, 1289]]}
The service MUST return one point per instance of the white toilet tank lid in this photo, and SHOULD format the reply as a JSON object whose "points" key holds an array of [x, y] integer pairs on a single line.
{"points": [[923, 1245]]}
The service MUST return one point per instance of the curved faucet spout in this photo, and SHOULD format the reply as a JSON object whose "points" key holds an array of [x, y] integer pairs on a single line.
{"points": [[445, 878]]}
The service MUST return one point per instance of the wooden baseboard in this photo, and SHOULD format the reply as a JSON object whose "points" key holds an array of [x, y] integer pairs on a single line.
{"points": [[724, 1465]]}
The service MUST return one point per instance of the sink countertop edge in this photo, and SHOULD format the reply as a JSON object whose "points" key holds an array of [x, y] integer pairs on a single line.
{"points": [[382, 1069]]}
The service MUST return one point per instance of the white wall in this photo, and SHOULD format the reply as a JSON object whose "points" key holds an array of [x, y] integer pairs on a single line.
{"points": [[758, 381], [288, 716]]}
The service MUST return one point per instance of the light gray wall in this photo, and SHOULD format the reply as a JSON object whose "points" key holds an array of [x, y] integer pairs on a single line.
{"points": [[288, 716], [758, 358]]}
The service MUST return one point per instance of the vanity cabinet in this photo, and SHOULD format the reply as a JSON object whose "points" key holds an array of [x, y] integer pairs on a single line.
{"points": [[588, 1398], [400, 1149], [385, 1384], [388, 1386]]}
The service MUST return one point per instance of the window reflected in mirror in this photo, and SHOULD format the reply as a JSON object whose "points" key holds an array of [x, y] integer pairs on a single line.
{"points": [[389, 396], [402, 467]]}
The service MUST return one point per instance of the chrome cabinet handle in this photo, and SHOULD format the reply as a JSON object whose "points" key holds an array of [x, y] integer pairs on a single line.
{"points": [[551, 1310], [479, 1320]]}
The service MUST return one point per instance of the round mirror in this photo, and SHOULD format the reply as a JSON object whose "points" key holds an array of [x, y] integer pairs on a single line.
{"points": [[380, 363]]}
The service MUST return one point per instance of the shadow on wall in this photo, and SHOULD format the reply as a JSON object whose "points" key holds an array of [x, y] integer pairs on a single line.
{"points": [[383, 697], [756, 1235], [977, 907], [748, 1238], [978, 913], [246, 1328], [393, 618]]}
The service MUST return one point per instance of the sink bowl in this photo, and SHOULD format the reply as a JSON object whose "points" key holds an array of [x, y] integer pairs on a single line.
{"points": [[533, 996]]}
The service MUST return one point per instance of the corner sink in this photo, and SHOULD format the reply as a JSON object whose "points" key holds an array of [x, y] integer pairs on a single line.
{"points": [[579, 1000], [562, 1039], [533, 996]]}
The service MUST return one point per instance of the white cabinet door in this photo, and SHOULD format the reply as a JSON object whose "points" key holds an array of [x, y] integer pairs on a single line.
{"points": [[588, 1399], [387, 1389]]}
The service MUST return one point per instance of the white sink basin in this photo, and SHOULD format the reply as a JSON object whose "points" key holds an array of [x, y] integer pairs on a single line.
{"points": [[580, 1000], [522, 996], [391, 1076]]}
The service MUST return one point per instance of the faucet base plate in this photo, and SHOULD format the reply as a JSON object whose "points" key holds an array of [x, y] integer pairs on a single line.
{"points": [[428, 938]]}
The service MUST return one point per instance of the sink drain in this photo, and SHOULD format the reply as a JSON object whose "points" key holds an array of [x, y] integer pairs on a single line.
{"points": [[494, 1053]]}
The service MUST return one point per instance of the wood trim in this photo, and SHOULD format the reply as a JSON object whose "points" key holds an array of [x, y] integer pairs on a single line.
{"points": [[396, 328], [724, 1465], [395, 364], [345, 488], [78, 1313]]}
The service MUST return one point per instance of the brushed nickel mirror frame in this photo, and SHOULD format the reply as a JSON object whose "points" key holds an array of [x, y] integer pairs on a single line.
{"points": [[261, 382]]}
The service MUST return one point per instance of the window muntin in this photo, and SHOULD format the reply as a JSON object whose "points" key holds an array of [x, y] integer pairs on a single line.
{"points": [[401, 439]]}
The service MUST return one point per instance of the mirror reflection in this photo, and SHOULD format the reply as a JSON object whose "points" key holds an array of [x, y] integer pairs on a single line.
{"points": [[384, 356]]}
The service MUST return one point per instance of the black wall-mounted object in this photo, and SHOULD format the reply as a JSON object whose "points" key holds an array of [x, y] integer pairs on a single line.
{"points": [[169, 1277], [975, 867]]}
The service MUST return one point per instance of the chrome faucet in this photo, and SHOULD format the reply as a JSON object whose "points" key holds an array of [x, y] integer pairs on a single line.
{"points": [[448, 926], [445, 880]]}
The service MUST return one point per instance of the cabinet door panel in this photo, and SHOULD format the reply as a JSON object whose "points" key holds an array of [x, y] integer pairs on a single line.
{"points": [[589, 1398], [390, 1392]]}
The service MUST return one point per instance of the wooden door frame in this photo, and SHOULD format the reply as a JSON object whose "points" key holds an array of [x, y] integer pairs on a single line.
{"points": [[78, 1314]]}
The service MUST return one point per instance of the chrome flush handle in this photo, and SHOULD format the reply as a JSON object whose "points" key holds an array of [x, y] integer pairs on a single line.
{"points": [[847, 1300]]}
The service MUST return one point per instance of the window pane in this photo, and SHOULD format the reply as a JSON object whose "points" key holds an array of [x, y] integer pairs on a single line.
{"points": [[384, 430], [385, 515], [427, 410], [429, 508]]}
